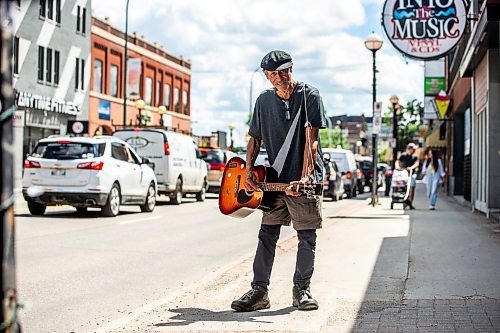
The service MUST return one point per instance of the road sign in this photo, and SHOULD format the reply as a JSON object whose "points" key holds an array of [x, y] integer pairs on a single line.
{"points": [[377, 118]]}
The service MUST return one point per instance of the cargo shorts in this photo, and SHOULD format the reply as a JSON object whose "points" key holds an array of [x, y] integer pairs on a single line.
{"points": [[303, 212]]}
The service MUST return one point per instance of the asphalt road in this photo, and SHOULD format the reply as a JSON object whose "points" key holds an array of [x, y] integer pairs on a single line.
{"points": [[78, 272]]}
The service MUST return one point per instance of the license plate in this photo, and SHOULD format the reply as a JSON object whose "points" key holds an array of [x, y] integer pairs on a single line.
{"points": [[58, 172]]}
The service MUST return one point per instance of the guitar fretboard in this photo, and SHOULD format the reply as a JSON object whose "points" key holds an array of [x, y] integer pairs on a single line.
{"points": [[273, 187]]}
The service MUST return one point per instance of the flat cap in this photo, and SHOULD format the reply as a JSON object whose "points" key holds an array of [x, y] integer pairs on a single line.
{"points": [[276, 60]]}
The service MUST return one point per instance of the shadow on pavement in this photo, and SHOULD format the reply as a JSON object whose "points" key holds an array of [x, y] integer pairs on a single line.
{"points": [[187, 316]]}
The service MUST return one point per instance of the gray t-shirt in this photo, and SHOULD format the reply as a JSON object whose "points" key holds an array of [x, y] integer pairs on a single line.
{"points": [[271, 124]]}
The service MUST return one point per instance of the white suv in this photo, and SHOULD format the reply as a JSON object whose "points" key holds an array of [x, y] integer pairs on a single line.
{"points": [[102, 171]]}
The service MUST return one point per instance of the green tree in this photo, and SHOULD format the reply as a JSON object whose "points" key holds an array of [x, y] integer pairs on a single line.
{"points": [[409, 120], [336, 137]]}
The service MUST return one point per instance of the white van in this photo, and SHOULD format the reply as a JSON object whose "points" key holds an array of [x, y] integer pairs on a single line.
{"points": [[346, 163], [175, 158]]}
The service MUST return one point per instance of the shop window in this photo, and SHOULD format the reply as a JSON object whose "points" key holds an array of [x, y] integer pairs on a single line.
{"points": [[98, 75], [15, 53], [43, 8], [114, 80], [79, 73], [41, 57], [149, 90], [50, 9], [157, 96], [48, 74], [82, 73], [56, 67], [81, 19], [185, 102], [177, 100], [166, 96], [58, 11]]}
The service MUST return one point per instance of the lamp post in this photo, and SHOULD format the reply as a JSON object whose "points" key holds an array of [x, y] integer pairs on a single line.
{"points": [[231, 128], [161, 111], [125, 67], [374, 43], [139, 104], [395, 107]]}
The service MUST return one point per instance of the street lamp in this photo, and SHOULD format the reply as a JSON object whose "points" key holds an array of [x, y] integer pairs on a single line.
{"points": [[124, 74], [231, 128], [161, 111], [140, 104], [374, 43], [395, 106]]}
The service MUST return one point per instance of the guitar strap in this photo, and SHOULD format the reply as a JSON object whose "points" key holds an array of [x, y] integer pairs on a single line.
{"points": [[279, 161]]}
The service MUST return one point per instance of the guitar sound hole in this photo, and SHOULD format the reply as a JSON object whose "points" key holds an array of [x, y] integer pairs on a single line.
{"points": [[243, 197]]}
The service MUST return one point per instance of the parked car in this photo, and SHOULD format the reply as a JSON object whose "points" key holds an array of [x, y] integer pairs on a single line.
{"points": [[177, 161], [366, 167], [216, 159], [262, 158], [103, 172], [333, 186], [347, 166]]}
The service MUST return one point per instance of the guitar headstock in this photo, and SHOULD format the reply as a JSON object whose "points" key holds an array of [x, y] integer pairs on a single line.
{"points": [[311, 190]]}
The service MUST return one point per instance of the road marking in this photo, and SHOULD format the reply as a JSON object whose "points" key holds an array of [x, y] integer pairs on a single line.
{"points": [[141, 220]]}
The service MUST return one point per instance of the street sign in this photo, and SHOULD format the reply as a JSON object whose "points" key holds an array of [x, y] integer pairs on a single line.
{"points": [[377, 117], [433, 85]]}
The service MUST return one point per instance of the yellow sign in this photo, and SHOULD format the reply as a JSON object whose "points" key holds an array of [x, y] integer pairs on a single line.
{"points": [[442, 102]]}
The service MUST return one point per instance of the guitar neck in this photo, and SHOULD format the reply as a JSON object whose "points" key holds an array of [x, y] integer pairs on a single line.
{"points": [[273, 187]]}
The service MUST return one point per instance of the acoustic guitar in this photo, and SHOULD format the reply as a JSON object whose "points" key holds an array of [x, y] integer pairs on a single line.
{"points": [[234, 200]]}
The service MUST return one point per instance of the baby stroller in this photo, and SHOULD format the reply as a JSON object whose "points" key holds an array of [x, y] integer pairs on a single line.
{"points": [[400, 187]]}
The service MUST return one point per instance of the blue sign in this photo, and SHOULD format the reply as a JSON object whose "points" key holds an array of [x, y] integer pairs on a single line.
{"points": [[104, 109]]}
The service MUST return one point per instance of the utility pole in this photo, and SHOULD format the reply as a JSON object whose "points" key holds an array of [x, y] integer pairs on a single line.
{"points": [[8, 279]]}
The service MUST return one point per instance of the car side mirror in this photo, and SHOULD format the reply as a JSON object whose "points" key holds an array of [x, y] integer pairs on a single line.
{"points": [[145, 161]]}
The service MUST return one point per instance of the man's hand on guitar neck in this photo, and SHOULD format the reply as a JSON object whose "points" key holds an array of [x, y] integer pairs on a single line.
{"points": [[294, 189]]}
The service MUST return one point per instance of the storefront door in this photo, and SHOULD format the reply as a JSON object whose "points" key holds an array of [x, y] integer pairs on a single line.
{"points": [[481, 170]]}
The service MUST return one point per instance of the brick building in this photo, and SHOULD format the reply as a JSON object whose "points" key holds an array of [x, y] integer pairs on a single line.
{"points": [[164, 80]]}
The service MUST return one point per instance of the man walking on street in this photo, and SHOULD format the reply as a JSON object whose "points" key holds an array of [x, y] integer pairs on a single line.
{"points": [[286, 119], [409, 162]]}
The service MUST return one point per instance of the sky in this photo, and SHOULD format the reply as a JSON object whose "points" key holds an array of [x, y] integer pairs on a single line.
{"points": [[226, 40]]}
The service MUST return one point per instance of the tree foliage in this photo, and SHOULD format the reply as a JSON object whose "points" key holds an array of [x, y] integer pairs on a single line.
{"points": [[409, 120], [336, 138]]}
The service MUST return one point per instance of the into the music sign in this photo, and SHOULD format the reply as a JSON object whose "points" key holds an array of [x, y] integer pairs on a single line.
{"points": [[424, 29]]}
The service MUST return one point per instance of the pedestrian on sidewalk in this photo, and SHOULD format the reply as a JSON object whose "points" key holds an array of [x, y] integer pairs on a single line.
{"points": [[433, 173], [409, 162], [287, 119]]}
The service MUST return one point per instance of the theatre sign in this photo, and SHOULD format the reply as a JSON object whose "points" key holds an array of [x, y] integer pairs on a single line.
{"points": [[424, 29]]}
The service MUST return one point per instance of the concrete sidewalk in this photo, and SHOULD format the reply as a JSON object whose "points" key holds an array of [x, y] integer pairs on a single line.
{"points": [[377, 270]]}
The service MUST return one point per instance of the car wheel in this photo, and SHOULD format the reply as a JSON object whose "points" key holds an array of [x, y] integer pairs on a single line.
{"points": [[200, 196], [112, 207], [176, 197], [150, 202], [81, 210], [36, 208]]}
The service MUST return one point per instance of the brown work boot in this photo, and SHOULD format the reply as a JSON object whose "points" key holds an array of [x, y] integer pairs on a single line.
{"points": [[302, 298], [254, 299]]}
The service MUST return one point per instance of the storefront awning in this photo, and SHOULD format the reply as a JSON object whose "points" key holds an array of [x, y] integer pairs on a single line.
{"points": [[432, 141]]}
